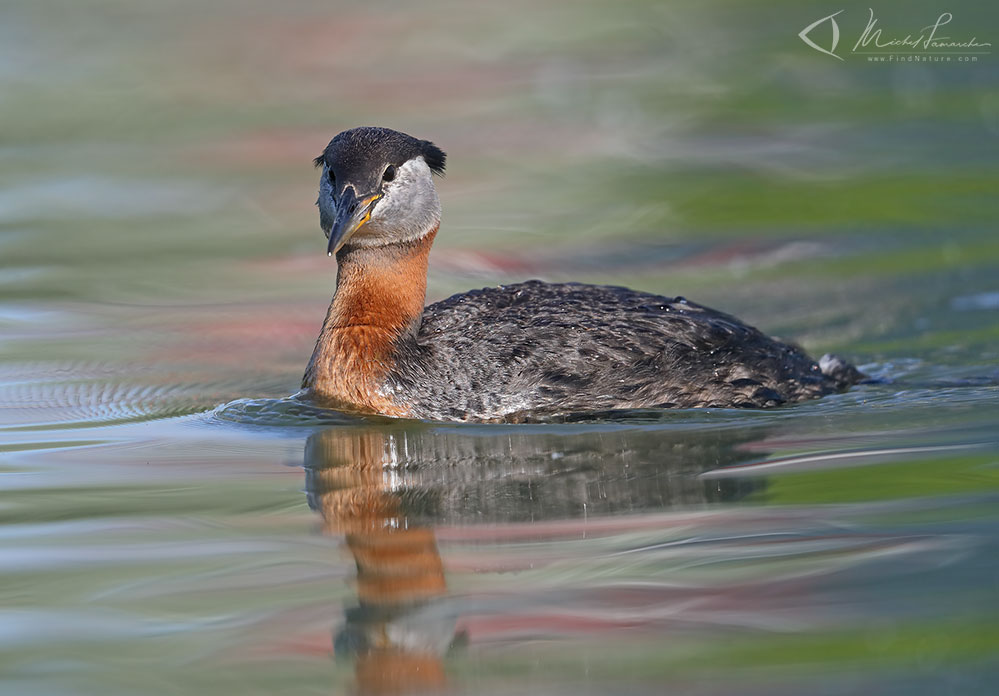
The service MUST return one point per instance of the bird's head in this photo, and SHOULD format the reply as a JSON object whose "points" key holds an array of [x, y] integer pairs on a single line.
{"points": [[377, 188]]}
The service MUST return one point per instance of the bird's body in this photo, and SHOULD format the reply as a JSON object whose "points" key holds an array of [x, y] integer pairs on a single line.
{"points": [[520, 350], [544, 347]]}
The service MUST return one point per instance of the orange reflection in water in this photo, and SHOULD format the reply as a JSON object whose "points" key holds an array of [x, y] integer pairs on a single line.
{"points": [[394, 635]]}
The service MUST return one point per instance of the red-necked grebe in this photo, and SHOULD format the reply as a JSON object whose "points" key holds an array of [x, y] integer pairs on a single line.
{"points": [[514, 350]]}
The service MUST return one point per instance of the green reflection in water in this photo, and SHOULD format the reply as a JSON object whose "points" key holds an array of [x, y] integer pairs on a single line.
{"points": [[161, 256]]}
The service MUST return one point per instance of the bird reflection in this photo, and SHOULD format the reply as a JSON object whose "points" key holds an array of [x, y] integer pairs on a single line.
{"points": [[383, 488], [392, 635]]}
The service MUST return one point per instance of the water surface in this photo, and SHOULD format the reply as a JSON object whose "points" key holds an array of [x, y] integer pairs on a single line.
{"points": [[171, 522]]}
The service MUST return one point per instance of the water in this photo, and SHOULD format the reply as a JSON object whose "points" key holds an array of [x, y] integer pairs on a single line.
{"points": [[173, 521]]}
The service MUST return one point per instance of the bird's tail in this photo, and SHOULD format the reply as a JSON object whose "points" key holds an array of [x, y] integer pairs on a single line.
{"points": [[839, 370]]}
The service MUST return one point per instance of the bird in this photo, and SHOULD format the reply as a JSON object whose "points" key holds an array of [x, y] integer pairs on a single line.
{"points": [[513, 352]]}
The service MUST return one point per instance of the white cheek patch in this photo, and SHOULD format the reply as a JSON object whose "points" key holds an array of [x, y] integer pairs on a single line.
{"points": [[409, 208]]}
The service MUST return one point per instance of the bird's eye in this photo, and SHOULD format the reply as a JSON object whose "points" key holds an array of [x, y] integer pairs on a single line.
{"points": [[330, 175], [389, 173]]}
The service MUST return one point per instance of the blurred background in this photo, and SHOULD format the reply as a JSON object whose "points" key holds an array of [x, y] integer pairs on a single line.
{"points": [[157, 193], [160, 255]]}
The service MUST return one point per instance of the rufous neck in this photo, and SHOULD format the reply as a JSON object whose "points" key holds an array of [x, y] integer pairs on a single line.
{"points": [[381, 287], [379, 298]]}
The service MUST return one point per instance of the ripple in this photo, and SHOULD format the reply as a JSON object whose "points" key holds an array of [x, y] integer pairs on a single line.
{"points": [[291, 411], [45, 396], [837, 459]]}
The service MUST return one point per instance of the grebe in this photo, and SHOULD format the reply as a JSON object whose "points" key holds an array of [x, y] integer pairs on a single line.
{"points": [[512, 351]]}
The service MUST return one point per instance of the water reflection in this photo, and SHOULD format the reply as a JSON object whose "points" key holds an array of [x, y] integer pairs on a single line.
{"points": [[385, 489], [393, 635]]}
